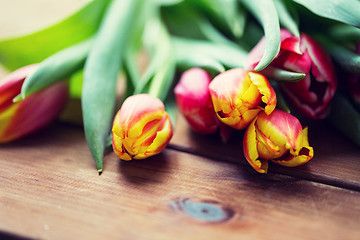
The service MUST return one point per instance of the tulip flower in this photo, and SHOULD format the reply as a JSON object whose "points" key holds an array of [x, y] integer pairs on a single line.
{"points": [[141, 128], [278, 137], [239, 95], [310, 96], [34, 112], [194, 101]]}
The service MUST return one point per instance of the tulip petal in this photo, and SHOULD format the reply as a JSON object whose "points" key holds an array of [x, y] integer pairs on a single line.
{"points": [[251, 151], [311, 95], [238, 96], [119, 148], [281, 127], [322, 67], [277, 137], [5, 120], [33, 113], [267, 148], [11, 85], [193, 99], [161, 139], [302, 156], [290, 43], [141, 128], [264, 87]]}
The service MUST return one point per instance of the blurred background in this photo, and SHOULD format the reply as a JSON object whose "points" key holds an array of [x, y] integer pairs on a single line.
{"points": [[18, 17]]}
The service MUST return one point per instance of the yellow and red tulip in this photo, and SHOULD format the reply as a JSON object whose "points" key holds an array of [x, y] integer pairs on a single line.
{"points": [[34, 112], [141, 128], [312, 95], [278, 137], [239, 95]]}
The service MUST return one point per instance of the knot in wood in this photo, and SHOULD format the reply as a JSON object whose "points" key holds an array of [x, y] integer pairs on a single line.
{"points": [[206, 210]]}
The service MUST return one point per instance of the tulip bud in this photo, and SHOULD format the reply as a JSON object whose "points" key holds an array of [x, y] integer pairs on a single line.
{"points": [[310, 96], [278, 137], [141, 128], [239, 95], [34, 112], [194, 101]]}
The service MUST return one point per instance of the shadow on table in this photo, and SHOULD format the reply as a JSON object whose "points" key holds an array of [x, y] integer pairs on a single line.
{"points": [[145, 171]]}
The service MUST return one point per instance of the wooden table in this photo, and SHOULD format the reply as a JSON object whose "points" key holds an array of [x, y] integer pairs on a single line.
{"points": [[197, 188]]}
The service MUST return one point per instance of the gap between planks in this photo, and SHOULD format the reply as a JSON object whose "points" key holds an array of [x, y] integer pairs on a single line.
{"points": [[292, 172]]}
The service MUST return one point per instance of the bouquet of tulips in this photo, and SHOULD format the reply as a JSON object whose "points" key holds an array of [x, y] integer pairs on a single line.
{"points": [[256, 66]]}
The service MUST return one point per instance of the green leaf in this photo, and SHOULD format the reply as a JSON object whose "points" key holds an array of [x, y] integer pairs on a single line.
{"points": [[101, 72], [280, 75], [226, 13], [198, 53], [186, 21], [348, 59], [345, 118], [186, 62], [35, 47], [132, 72], [75, 84], [162, 80], [134, 48], [167, 2], [160, 73], [345, 34], [266, 14], [281, 102], [171, 108], [346, 11], [286, 17], [57, 67]]}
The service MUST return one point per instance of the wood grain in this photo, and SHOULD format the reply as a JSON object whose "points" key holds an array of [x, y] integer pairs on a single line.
{"points": [[336, 159], [50, 189]]}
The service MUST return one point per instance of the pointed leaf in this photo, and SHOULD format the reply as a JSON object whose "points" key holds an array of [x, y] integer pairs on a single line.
{"points": [[346, 11], [280, 75], [266, 14], [57, 67], [286, 18], [100, 75], [35, 47]]}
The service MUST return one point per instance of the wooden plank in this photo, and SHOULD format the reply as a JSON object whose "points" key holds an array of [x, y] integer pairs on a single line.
{"points": [[335, 162], [50, 189]]}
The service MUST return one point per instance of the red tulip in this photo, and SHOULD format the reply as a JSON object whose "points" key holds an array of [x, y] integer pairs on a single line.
{"points": [[141, 128], [310, 96], [278, 137], [194, 101], [239, 95], [34, 112]]}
